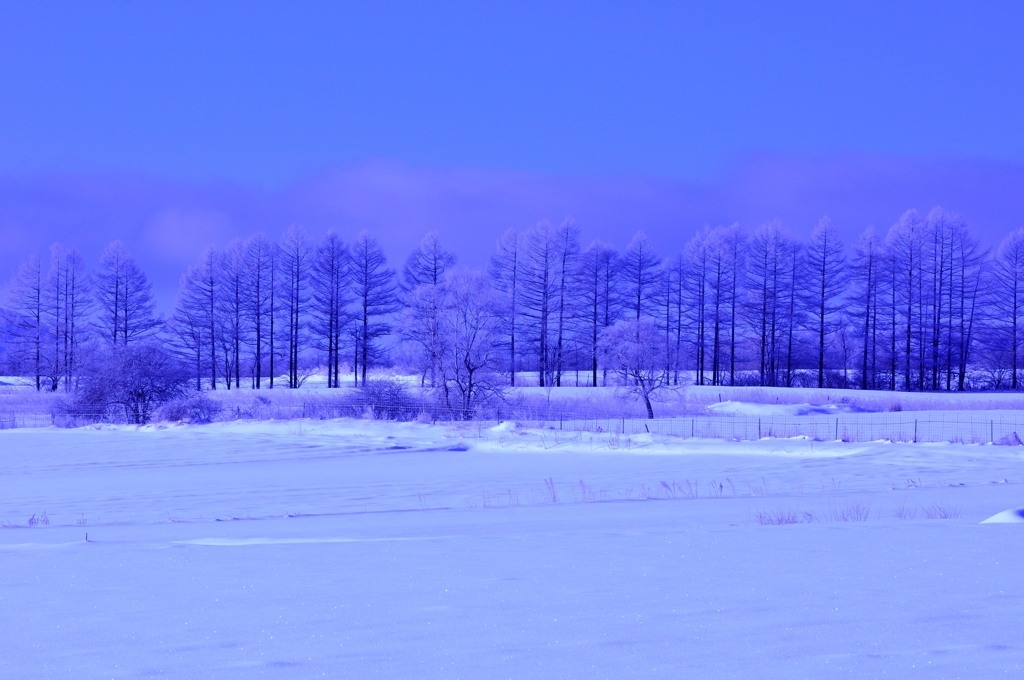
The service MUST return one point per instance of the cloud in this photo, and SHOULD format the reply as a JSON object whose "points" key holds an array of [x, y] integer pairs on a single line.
{"points": [[167, 223], [177, 233]]}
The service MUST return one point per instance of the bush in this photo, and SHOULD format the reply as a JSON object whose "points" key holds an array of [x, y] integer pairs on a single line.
{"points": [[125, 384], [388, 400], [197, 408]]}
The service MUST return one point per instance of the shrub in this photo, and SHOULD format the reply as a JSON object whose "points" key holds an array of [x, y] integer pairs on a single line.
{"points": [[197, 408], [125, 384], [387, 399]]}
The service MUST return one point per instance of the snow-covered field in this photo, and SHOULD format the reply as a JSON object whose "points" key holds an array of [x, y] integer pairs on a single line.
{"points": [[360, 548]]}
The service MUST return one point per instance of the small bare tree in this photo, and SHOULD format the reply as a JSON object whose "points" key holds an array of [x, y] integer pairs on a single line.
{"points": [[470, 354], [636, 349]]}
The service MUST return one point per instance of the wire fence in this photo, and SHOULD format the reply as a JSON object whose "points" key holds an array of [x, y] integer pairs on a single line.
{"points": [[995, 427], [12, 420], [960, 428]]}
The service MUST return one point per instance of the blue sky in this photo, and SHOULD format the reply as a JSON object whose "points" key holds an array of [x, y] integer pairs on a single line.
{"points": [[200, 121], [269, 93]]}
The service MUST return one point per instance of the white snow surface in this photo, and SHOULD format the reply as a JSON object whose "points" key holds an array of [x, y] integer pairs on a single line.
{"points": [[357, 549], [743, 408], [1014, 516]]}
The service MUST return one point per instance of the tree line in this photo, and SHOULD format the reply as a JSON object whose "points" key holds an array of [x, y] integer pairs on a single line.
{"points": [[920, 307]]}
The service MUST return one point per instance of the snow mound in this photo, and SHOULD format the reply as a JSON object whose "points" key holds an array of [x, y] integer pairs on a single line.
{"points": [[1015, 516], [746, 408]]}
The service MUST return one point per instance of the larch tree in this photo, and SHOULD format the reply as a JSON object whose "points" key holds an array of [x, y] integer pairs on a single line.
{"points": [[640, 272], [423, 284], [330, 299], [68, 307], [540, 294], [566, 242], [375, 293], [187, 328], [231, 310], [673, 299], [904, 245], [295, 263], [260, 268], [125, 298], [25, 316], [770, 258], [506, 273], [1008, 302], [968, 266], [824, 287], [195, 319], [428, 264], [724, 250], [695, 289], [866, 270], [595, 282]]}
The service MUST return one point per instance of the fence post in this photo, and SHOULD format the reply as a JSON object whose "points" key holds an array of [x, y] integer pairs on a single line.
{"points": [[915, 430], [837, 429], [758, 428], [623, 426], [992, 432]]}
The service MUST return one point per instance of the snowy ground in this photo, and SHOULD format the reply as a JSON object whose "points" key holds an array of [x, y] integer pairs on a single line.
{"points": [[358, 549]]}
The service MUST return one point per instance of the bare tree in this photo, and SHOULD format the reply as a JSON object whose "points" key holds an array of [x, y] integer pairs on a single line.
{"points": [[723, 248], [260, 302], [231, 310], [769, 259], [866, 274], [595, 281], [694, 282], [635, 348], [824, 288], [904, 243], [674, 301], [373, 286], [470, 329], [968, 266], [330, 298], [24, 315], [295, 263], [1008, 301], [423, 281], [506, 272], [195, 322], [567, 252], [427, 264], [641, 269], [420, 327], [125, 298], [67, 308], [540, 294], [187, 328]]}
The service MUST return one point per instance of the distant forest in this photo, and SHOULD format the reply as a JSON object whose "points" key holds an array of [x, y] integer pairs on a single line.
{"points": [[919, 308]]}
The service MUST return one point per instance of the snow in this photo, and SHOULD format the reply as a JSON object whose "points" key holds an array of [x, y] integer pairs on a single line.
{"points": [[743, 408], [360, 548], [1015, 516]]}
